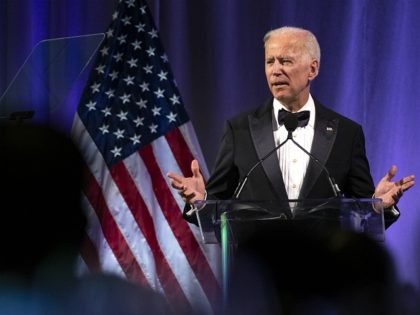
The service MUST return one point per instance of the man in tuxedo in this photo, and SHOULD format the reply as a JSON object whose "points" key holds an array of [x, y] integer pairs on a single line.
{"points": [[292, 60]]}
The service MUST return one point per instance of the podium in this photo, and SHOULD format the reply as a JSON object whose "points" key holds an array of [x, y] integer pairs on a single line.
{"points": [[235, 222]]}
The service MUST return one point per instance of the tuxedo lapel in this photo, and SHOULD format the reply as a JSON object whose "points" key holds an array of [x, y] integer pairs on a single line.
{"points": [[261, 129], [324, 137]]}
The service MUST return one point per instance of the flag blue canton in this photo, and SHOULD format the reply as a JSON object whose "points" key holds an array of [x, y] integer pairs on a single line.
{"points": [[131, 99]]}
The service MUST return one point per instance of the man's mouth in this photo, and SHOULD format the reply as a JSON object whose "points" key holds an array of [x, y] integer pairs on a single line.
{"points": [[280, 84]]}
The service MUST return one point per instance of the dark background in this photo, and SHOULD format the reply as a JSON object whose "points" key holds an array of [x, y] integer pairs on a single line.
{"points": [[370, 60]]}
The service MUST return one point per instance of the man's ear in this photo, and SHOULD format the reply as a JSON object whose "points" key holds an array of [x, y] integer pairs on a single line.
{"points": [[313, 69]]}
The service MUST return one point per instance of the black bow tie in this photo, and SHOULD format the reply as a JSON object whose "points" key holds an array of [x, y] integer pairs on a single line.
{"points": [[303, 117]]}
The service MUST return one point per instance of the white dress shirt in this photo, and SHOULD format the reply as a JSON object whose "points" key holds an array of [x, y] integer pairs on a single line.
{"points": [[293, 161]]}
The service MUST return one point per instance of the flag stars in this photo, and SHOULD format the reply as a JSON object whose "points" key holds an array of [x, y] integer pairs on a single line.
{"points": [[123, 119], [122, 115], [156, 111], [135, 139], [175, 99], [144, 86], [104, 129], [126, 20], [132, 62], [106, 111], [118, 57], [159, 93], [119, 133], [153, 128], [138, 121], [151, 51], [110, 93], [129, 80], [95, 87], [113, 75], [104, 51], [163, 75], [164, 58], [141, 103], [171, 117], [91, 105], [153, 33], [143, 9], [100, 69], [136, 44], [116, 151], [125, 98], [122, 39], [140, 27], [148, 68], [130, 3]]}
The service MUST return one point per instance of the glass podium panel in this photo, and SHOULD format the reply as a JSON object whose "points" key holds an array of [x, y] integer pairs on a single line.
{"points": [[44, 80], [360, 215], [230, 222]]}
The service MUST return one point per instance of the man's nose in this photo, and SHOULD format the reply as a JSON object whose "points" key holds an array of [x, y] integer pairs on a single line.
{"points": [[277, 67]]}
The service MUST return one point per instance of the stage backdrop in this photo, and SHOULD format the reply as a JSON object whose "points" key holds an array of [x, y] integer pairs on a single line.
{"points": [[370, 57]]}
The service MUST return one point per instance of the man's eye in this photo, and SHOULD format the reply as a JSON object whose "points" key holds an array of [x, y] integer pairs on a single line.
{"points": [[286, 62], [270, 61]]}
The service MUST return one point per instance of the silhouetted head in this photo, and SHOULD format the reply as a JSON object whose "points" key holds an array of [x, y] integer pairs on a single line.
{"points": [[40, 186], [284, 267]]}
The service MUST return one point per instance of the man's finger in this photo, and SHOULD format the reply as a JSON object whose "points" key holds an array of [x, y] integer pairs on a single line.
{"points": [[391, 173], [195, 168], [408, 184], [189, 195], [179, 187], [175, 177]]}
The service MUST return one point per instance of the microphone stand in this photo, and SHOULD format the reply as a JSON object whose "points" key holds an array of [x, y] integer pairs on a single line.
{"points": [[291, 123], [333, 184], [290, 128]]}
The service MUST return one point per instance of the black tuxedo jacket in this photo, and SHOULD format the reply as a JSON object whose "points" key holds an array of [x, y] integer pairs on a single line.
{"points": [[338, 143]]}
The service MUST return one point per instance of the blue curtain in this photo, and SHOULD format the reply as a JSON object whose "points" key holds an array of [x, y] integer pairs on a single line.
{"points": [[370, 55]]}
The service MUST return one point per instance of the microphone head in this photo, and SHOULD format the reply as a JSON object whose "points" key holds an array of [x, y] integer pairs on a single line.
{"points": [[290, 122]]}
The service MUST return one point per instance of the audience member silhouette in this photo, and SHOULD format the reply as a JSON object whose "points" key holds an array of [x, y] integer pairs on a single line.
{"points": [[41, 229], [298, 273]]}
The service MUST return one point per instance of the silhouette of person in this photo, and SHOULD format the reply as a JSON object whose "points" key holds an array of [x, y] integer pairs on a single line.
{"points": [[343, 273], [41, 230]]}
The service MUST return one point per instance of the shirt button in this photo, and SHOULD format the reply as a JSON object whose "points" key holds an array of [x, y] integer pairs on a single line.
{"points": [[294, 160], [294, 186]]}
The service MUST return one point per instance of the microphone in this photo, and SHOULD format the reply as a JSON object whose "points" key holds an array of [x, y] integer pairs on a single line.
{"points": [[336, 190], [291, 123]]}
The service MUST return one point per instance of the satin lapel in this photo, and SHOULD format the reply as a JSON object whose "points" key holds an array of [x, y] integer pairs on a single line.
{"points": [[261, 130], [324, 137]]}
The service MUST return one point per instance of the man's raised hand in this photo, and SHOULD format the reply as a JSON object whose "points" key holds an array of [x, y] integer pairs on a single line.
{"points": [[191, 188], [390, 192]]}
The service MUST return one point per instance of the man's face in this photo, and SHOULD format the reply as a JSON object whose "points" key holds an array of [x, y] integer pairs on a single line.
{"points": [[289, 69]]}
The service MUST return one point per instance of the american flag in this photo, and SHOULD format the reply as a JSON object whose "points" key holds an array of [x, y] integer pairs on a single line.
{"points": [[133, 129]]}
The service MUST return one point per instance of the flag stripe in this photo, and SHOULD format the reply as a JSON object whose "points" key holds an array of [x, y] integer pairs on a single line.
{"points": [[188, 133], [180, 150], [108, 261], [90, 254], [167, 240], [116, 207], [111, 231], [180, 227], [138, 208], [167, 163]]}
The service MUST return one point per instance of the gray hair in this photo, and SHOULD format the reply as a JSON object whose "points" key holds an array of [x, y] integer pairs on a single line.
{"points": [[311, 44]]}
